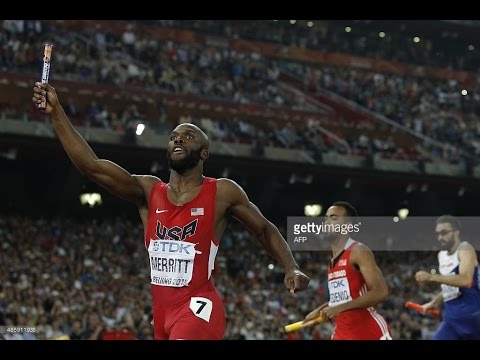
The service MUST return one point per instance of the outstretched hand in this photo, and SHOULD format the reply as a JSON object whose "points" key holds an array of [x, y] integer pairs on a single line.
{"points": [[42, 91], [295, 280]]}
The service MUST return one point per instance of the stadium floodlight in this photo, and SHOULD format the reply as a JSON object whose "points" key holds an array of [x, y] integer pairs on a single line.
{"points": [[403, 213], [312, 209], [91, 199], [140, 128]]}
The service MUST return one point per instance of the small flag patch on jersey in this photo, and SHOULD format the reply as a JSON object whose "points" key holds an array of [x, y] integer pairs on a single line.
{"points": [[342, 262], [196, 211]]}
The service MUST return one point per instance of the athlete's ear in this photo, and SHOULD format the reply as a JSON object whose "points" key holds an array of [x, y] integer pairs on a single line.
{"points": [[204, 154]]}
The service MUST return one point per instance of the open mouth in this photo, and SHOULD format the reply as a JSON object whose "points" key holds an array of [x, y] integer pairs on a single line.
{"points": [[178, 150]]}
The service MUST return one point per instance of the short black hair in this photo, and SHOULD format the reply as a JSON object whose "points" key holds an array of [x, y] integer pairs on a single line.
{"points": [[349, 209], [451, 220]]}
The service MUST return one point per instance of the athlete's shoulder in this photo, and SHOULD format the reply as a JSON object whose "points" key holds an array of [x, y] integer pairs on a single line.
{"points": [[357, 245], [147, 179], [227, 185], [360, 250], [465, 245], [225, 181], [147, 182], [229, 190]]}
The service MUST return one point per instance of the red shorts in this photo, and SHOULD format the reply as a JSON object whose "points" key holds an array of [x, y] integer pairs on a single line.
{"points": [[364, 325], [200, 318], [365, 334]]}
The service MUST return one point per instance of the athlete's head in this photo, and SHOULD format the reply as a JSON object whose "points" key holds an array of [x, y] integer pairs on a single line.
{"points": [[188, 146], [350, 213], [340, 213], [447, 231]]}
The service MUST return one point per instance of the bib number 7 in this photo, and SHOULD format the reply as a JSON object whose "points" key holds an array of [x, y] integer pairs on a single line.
{"points": [[201, 307]]}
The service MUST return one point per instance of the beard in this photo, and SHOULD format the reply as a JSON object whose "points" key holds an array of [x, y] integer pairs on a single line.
{"points": [[191, 159], [447, 245]]}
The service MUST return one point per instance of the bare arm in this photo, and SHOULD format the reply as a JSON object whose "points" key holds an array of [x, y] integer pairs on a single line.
{"points": [[240, 207], [437, 300], [467, 261], [434, 303], [104, 172], [315, 313]]}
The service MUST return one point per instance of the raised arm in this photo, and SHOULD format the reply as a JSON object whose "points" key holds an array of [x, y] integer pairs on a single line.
{"points": [[242, 209], [104, 172]]}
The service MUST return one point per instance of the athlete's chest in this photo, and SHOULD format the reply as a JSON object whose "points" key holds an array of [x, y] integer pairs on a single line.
{"points": [[448, 263], [179, 198]]}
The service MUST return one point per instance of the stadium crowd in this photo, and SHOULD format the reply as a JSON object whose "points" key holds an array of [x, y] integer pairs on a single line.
{"points": [[89, 279], [431, 107]]}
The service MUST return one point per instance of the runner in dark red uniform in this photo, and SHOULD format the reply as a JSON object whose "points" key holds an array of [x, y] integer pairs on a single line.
{"points": [[182, 246], [183, 220], [355, 284]]}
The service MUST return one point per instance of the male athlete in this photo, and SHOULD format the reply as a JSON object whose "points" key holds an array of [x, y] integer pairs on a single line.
{"points": [[355, 283], [183, 221], [460, 281]]}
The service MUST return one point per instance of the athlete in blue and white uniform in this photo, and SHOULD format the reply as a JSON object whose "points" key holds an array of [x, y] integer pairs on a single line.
{"points": [[460, 281]]}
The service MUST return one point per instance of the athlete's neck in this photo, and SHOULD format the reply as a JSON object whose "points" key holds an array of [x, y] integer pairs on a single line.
{"points": [[185, 181], [338, 245], [454, 248]]}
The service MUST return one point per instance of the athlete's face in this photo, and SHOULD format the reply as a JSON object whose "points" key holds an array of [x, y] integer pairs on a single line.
{"points": [[334, 218], [184, 148], [445, 235]]}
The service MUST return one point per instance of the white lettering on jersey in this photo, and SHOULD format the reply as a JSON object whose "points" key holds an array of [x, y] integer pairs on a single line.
{"points": [[339, 290], [171, 262], [450, 292], [447, 265], [337, 273]]}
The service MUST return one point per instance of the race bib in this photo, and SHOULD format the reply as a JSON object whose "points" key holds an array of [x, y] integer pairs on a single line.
{"points": [[171, 262], [201, 307], [339, 290], [450, 292]]}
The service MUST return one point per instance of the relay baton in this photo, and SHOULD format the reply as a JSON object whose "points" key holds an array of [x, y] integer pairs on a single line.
{"points": [[47, 55], [300, 324], [414, 306]]}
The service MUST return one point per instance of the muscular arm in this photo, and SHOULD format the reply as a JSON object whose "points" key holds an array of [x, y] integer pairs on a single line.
{"points": [[242, 209], [467, 261], [104, 172], [362, 257]]}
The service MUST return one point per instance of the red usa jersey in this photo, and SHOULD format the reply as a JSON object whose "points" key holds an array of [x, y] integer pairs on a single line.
{"points": [[345, 284], [181, 244]]}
